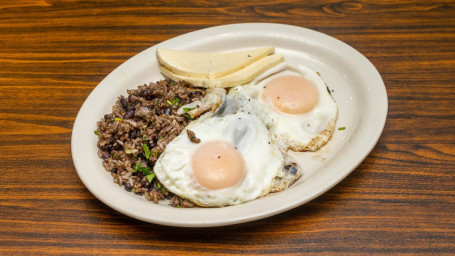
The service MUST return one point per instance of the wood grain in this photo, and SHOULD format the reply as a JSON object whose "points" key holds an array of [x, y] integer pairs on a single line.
{"points": [[400, 200]]}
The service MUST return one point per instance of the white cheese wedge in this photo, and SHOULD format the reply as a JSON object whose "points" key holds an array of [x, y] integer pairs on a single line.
{"points": [[240, 77], [209, 65]]}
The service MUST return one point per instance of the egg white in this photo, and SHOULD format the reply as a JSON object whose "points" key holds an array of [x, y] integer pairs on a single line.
{"points": [[297, 132], [263, 160]]}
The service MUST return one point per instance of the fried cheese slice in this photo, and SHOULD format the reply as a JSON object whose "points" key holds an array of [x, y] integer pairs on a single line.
{"points": [[209, 65], [240, 77]]}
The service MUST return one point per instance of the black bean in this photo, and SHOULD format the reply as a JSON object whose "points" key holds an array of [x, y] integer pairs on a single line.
{"points": [[145, 93], [147, 184], [158, 111], [123, 102], [108, 147], [133, 134], [105, 154], [292, 168], [106, 117], [128, 187], [167, 111], [117, 147], [129, 114], [132, 98], [114, 170]]}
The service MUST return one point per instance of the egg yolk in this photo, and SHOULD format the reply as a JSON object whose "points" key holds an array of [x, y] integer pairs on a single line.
{"points": [[218, 165], [291, 94]]}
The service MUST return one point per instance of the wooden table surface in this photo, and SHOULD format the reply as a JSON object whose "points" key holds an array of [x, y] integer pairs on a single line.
{"points": [[400, 200]]}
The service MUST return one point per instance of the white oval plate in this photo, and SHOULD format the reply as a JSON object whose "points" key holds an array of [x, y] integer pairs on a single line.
{"points": [[357, 88]]}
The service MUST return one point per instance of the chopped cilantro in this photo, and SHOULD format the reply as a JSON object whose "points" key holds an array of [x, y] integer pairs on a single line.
{"points": [[96, 132], [178, 206], [115, 155], [143, 136], [143, 170], [134, 190], [161, 187], [188, 116], [137, 166], [118, 119], [187, 109], [176, 100], [146, 150], [341, 128], [160, 138], [150, 177]]}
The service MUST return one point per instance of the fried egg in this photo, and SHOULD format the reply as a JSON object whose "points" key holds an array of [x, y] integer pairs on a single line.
{"points": [[223, 160], [293, 102]]}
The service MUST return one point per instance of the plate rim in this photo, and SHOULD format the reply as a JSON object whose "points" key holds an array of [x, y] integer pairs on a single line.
{"points": [[229, 220]]}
